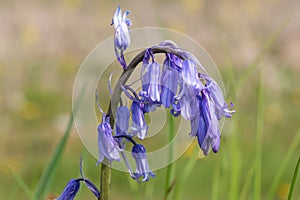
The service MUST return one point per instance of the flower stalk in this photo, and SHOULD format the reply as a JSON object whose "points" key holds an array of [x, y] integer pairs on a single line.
{"points": [[105, 179]]}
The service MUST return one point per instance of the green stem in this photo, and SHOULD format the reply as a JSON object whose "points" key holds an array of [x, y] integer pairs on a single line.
{"points": [[105, 181], [170, 181], [293, 184]]}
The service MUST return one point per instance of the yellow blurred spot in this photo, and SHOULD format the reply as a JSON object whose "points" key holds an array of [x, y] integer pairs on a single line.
{"points": [[252, 6], [10, 164], [72, 4], [296, 96], [283, 190], [274, 112], [51, 196], [193, 5], [177, 26], [30, 34], [200, 154], [190, 150], [30, 111]]}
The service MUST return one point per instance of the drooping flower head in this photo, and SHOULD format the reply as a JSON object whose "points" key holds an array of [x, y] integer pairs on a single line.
{"points": [[150, 78], [217, 96], [142, 167], [70, 190], [107, 146], [189, 89], [73, 187], [122, 120], [170, 79], [139, 125], [209, 131]]}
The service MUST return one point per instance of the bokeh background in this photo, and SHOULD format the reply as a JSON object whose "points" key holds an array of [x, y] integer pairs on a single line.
{"points": [[255, 45]]}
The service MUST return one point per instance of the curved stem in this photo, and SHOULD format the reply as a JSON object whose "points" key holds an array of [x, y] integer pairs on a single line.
{"points": [[127, 73], [105, 180], [127, 137]]}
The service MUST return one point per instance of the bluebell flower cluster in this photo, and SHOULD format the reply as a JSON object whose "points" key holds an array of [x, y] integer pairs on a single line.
{"points": [[180, 84], [187, 91]]}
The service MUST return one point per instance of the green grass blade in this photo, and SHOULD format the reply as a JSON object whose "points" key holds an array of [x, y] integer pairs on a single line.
{"points": [[169, 184], [293, 147], [186, 173], [21, 183], [247, 182], [292, 188], [47, 174], [259, 136], [46, 177], [215, 185]]}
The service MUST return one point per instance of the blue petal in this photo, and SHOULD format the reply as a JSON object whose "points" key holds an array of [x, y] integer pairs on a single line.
{"points": [[151, 82], [142, 167], [92, 187], [70, 190], [212, 138], [169, 83], [138, 121], [107, 146], [122, 120]]}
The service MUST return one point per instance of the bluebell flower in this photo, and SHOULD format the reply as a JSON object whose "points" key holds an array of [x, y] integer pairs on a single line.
{"points": [[70, 190], [142, 168], [150, 78], [121, 23], [170, 79], [122, 37], [190, 86], [87, 182], [122, 123], [122, 120], [208, 124], [188, 102], [139, 125], [189, 75], [217, 95], [107, 145]]}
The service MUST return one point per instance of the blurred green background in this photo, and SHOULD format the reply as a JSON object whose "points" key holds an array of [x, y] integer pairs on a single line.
{"points": [[255, 45]]}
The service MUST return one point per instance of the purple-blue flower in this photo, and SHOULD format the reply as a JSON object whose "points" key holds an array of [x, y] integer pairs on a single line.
{"points": [[107, 146], [189, 75], [139, 125], [150, 78], [70, 190], [122, 120], [121, 23], [122, 37], [208, 125], [142, 168], [170, 79], [216, 94], [190, 86], [122, 123]]}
